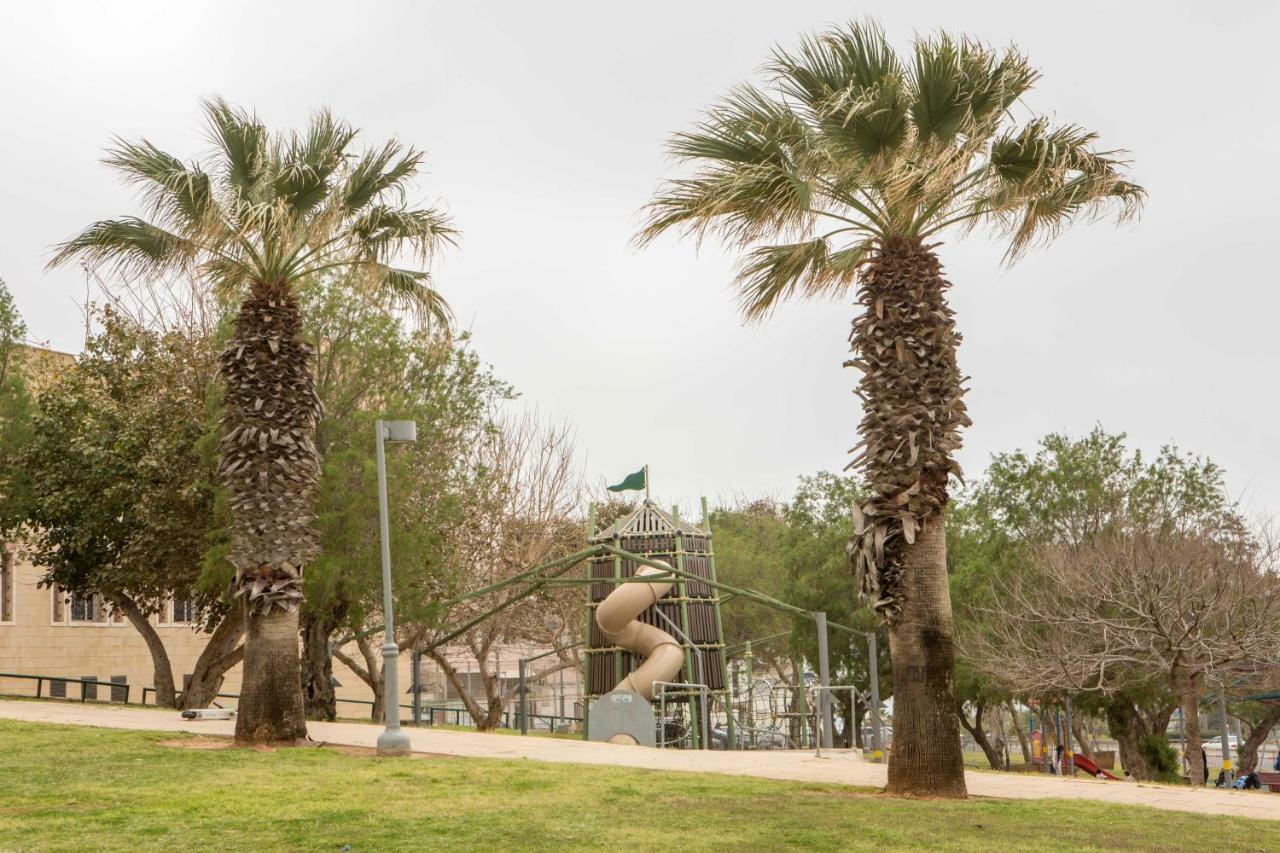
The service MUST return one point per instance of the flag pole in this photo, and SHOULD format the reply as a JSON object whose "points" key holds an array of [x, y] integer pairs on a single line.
{"points": [[646, 484]]}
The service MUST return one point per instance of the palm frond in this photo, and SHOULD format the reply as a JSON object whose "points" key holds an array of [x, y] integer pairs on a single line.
{"points": [[130, 246], [755, 178], [850, 85], [770, 275], [940, 101], [309, 160], [242, 141], [410, 289], [376, 172], [381, 231], [994, 86], [180, 196], [1043, 178]]}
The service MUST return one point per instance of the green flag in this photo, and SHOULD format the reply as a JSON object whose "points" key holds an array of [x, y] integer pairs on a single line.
{"points": [[633, 482]]}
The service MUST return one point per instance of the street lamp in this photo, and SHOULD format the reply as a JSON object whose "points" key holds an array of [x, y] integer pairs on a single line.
{"points": [[393, 740]]}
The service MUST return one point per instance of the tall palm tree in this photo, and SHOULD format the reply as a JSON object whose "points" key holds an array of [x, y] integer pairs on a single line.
{"points": [[841, 175], [265, 213]]}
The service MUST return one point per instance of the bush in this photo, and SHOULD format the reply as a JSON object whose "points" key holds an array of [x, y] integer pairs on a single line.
{"points": [[1160, 757]]}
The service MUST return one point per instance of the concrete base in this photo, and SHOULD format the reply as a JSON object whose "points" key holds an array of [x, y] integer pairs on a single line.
{"points": [[394, 742]]}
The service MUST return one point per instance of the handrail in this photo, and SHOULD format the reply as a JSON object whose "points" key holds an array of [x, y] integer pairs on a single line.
{"points": [[821, 717], [127, 688], [83, 682]]}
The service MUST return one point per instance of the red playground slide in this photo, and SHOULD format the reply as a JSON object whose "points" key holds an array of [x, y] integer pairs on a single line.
{"points": [[1092, 769]]}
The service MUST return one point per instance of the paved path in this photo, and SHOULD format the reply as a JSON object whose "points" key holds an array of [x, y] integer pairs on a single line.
{"points": [[841, 768]]}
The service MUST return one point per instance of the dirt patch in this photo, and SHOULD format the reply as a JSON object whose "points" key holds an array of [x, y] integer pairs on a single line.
{"points": [[198, 743], [214, 742], [370, 752]]}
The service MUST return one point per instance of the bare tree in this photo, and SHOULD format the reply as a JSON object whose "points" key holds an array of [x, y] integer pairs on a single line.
{"points": [[1182, 608], [525, 512]]}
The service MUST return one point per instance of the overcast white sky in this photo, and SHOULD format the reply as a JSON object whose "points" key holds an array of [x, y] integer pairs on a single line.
{"points": [[544, 125]]}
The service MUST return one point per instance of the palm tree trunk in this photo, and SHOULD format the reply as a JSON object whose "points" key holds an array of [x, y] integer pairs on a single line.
{"points": [[269, 464], [904, 345], [270, 708], [926, 759]]}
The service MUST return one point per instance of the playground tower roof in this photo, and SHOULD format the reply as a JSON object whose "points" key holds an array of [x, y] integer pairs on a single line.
{"points": [[645, 520]]}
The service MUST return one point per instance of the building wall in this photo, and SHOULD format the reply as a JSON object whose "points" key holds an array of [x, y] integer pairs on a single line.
{"points": [[32, 642]]}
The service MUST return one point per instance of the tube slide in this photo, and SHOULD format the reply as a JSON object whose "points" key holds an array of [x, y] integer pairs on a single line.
{"points": [[616, 616], [1092, 769]]}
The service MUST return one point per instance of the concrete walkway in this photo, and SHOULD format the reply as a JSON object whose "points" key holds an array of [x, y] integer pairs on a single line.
{"points": [[842, 768]]}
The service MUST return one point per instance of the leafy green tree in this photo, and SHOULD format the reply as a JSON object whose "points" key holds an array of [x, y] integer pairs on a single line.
{"points": [[15, 412], [371, 365], [841, 175], [1075, 494], [750, 547], [819, 527], [122, 501], [977, 552], [263, 216]]}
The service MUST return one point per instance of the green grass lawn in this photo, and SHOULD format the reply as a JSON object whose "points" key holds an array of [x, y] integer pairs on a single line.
{"points": [[72, 788]]}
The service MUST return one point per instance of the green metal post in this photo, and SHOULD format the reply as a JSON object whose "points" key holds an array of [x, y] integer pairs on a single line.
{"points": [[682, 588], [586, 639], [617, 576], [715, 604], [751, 693]]}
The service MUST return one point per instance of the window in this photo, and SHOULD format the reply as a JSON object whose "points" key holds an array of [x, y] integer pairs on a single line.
{"points": [[7, 584], [184, 610], [85, 608]]}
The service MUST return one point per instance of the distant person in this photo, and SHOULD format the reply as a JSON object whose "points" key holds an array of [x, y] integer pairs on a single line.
{"points": [[1249, 783], [1276, 765], [1204, 762]]}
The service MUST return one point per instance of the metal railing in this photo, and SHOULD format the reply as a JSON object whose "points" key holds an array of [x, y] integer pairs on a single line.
{"points": [[820, 718], [704, 722], [83, 682], [429, 714]]}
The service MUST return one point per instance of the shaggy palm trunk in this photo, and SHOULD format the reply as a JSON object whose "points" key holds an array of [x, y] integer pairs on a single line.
{"points": [[270, 465], [905, 344]]}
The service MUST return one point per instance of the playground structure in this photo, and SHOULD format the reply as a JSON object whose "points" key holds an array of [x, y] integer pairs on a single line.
{"points": [[654, 648], [673, 593]]}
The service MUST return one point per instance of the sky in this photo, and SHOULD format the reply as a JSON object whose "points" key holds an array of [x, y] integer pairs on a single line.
{"points": [[544, 126]]}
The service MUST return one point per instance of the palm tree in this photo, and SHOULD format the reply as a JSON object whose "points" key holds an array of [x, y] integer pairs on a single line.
{"points": [[269, 212], [843, 173]]}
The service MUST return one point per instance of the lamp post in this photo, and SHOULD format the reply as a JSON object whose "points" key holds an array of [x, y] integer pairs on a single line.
{"points": [[393, 740]]}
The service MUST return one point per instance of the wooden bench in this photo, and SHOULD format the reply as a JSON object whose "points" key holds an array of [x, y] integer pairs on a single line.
{"points": [[1269, 779]]}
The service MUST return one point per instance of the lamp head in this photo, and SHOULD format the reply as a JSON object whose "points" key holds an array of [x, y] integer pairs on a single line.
{"points": [[400, 431]]}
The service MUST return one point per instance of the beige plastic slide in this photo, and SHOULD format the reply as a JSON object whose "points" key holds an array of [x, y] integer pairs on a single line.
{"points": [[616, 617]]}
